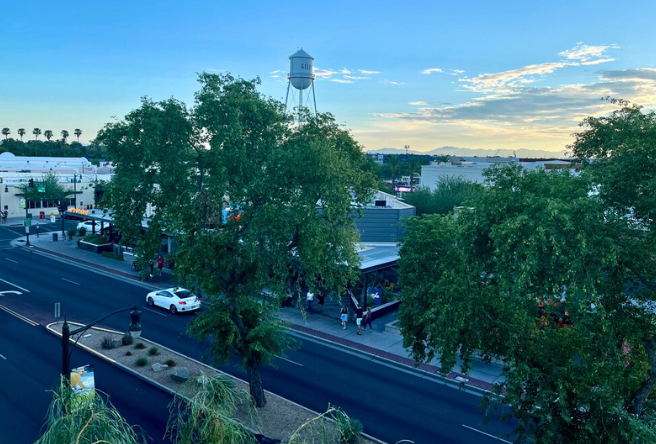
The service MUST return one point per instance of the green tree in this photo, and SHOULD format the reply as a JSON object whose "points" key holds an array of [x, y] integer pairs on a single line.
{"points": [[290, 190], [451, 192], [392, 167], [48, 134], [6, 132], [619, 154], [53, 192], [64, 135], [78, 133], [536, 273], [21, 133], [37, 133]]}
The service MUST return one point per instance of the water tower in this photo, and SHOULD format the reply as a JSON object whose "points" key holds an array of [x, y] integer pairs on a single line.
{"points": [[301, 78]]}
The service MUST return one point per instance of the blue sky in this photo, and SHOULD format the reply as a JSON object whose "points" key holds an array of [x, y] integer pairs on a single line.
{"points": [[474, 74]]}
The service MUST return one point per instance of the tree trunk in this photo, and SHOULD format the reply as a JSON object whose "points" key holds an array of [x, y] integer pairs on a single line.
{"points": [[639, 397], [255, 384]]}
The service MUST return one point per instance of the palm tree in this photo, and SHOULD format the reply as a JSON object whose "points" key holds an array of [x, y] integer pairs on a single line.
{"points": [[37, 133], [414, 165], [394, 164], [48, 134], [6, 132], [64, 135], [78, 133], [21, 133]]}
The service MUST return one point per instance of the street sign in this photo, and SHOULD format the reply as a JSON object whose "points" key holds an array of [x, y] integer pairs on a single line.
{"points": [[22, 203], [27, 222], [41, 189], [52, 219]]}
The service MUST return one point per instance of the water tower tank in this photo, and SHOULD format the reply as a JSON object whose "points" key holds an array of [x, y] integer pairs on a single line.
{"points": [[300, 70]]}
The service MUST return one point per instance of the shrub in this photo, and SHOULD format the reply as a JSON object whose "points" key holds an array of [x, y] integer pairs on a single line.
{"points": [[128, 353], [82, 231], [96, 239], [170, 362], [108, 343], [112, 255], [139, 345], [141, 362], [348, 429], [153, 351], [71, 232], [127, 339]]}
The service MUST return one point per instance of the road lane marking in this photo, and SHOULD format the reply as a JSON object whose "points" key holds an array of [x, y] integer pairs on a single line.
{"points": [[486, 434], [153, 311], [10, 292], [21, 317], [14, 285], [11, 260], [67, 280], [3, 357], [285, 359]]}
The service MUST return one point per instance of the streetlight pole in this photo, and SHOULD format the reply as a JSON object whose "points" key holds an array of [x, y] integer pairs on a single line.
{"points": [[134, 330], [75, 190], [27, 227]]}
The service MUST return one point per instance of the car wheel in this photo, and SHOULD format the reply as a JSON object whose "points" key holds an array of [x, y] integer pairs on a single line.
{"points": [[173, 309], [151, 302]]}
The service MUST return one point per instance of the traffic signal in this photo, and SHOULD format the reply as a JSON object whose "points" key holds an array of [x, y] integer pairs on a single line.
{"points": [[31, 183]]}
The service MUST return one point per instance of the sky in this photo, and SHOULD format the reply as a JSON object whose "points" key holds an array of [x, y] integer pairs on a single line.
{"points": [[473, 74]]}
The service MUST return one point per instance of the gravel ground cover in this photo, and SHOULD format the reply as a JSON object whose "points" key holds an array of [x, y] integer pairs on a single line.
{"points": [[279, 419]]}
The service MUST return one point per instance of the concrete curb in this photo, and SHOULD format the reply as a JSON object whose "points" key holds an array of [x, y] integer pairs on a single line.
{"points": [[169, 390]]}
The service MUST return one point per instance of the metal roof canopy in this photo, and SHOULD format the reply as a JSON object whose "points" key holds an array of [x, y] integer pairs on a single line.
{"points": [[374, 257]]}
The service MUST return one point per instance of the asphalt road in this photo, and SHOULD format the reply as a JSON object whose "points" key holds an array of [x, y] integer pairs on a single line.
{"points": [[393, 403], [30, 365]]}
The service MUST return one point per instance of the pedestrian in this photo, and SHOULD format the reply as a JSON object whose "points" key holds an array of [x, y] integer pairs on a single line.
{"points": [[160, 264], [358, 318], [366, 320], [344, 317], [152, 267], [321, 299], [310, 299]]}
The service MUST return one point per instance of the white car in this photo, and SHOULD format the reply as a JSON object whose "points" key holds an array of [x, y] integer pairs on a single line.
{"points": [[174, 299], [88, 225]]}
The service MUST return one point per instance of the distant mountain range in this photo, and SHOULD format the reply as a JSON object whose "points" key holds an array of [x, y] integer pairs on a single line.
{"points": [[469, 152]]}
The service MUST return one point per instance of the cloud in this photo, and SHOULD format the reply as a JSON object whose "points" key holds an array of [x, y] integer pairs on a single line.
{"points": [[324, 73], [511, 78], [417, 103], [584, 53], [431, 70], [367, 73], [341, 81], [640, 74], [356, 77], [390, 82], [456, 72], [598, 61], [345, 71]]}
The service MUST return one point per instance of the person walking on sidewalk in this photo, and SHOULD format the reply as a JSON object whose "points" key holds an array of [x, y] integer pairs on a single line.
{"points": [[358, 318], [343, 315], [310, 299], [160, 264], [366, 320]]}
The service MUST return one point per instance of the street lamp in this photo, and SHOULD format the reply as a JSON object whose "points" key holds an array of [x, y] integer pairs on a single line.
{"points": [[134, 330], [75, 189]]}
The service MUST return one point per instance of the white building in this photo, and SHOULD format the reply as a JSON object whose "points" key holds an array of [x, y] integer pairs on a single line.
{"points": [[471, 168], [76, 174]]}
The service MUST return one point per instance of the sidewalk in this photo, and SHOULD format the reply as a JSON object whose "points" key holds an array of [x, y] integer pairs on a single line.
{"points": [[383, 342]]}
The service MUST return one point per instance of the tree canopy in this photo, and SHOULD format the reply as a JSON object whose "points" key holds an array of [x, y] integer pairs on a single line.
{"points": [[255, 203], [538, 273]]}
